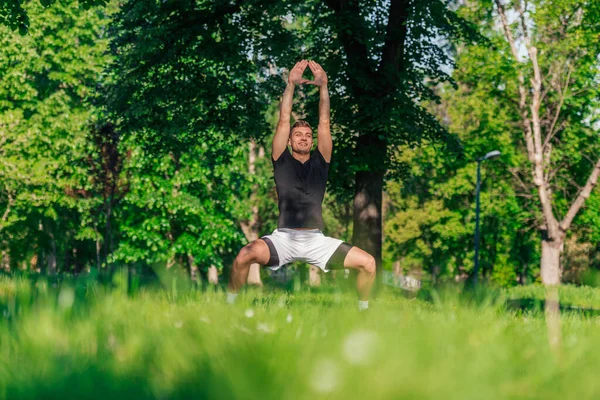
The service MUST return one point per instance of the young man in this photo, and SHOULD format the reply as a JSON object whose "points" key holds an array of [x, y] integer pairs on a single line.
{"points": [[300, 179]]}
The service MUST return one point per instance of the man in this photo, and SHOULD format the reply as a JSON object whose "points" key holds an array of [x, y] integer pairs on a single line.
{"points": [[300, 179]]}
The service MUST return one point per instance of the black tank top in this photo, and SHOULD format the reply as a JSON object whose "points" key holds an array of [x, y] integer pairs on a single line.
{"points": [[300, 189]]}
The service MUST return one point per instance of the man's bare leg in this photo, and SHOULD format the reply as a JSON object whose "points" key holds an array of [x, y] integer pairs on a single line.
{"points": [[365, 264], [255, 252]]}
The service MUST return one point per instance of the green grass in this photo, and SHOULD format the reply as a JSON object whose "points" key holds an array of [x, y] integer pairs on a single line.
{"points": [[571, 296], [89, 341]]}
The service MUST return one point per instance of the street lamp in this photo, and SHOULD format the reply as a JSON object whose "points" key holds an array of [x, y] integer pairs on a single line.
{"points": [[491, 154]]}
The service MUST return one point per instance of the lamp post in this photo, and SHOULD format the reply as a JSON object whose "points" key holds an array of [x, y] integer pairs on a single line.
{"points": [[491, 154]]}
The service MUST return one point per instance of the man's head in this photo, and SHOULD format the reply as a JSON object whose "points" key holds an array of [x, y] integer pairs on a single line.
{"points": [[301, 139]]}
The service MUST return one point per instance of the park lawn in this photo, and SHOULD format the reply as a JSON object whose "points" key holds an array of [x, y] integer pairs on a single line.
{"points": [[88, 341]]}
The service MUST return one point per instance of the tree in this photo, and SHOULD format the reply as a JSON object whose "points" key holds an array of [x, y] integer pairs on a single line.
{"points": [[430, 217], [550, 72], [104, 189], [250, 227], [45, 82], [176, 59], [14, 15], [380, 56], [183, 94], [180, 210]]}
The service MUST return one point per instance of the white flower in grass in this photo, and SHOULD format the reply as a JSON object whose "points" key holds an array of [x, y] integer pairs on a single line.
{"points": [[266, 328], [337, 298], [111, 342], [325, 376], [249, 313], [289, 318], [360, 346], [244, 329], [66, 297]]}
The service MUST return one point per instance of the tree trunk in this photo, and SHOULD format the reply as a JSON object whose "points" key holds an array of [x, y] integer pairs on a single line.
{"points": [[314, 276], [551, 251], [171, 260], [34, 263], [398, 269], [370, 146], [193, 269], [5, 260], [251, 228], [98, 249], [552, 313], [367, 213], [108, 248], [254, 275], [51, 258], [213, 275]]}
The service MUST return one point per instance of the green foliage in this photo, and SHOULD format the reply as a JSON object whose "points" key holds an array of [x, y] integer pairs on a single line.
{"points": [[431, 220], [152, 167], [45, 80], [184, 94], [185, 73], [430, 223], [590, 218], [376, 96], [15, 15], [564, 35], [180, 207]]}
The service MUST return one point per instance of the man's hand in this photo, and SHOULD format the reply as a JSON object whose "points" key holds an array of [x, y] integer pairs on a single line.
{"points": [[282, 133], [295, 77], [320, 75], [324, 142]]}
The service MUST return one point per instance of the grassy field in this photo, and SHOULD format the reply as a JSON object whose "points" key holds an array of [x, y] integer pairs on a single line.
{"points": [[87, 341]]}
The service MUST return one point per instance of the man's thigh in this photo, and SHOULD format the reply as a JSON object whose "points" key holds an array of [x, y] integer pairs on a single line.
{"points": [[356, 258], [258, 251]]}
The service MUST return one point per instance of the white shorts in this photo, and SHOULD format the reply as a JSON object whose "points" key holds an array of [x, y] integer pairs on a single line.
{"points": [[310, 246]]}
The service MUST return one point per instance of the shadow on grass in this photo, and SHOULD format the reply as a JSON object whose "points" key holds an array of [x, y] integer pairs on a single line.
{"points": [[533, 305]]}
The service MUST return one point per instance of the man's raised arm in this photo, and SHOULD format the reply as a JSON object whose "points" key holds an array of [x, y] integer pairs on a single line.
{"points": [[282, 133], [324, 142]]}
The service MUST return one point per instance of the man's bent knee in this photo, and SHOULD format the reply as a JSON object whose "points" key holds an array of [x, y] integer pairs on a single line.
{"points": [[253, 253], [370, 266], [247, 255]]}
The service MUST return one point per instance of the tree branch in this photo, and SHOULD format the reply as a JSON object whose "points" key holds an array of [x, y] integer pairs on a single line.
{"points": [[522, 90], [552, 173], [392, 56], [563, 94], [538, 160], [565, 224], [7, 211], [350, 31], [515, 173]]}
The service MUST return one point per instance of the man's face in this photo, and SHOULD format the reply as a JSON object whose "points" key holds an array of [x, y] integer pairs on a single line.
{"points": [[301, 140]]}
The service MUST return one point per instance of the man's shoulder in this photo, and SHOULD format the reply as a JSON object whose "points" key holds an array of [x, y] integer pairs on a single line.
{"points": [[284, 155], [318, 157]]}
